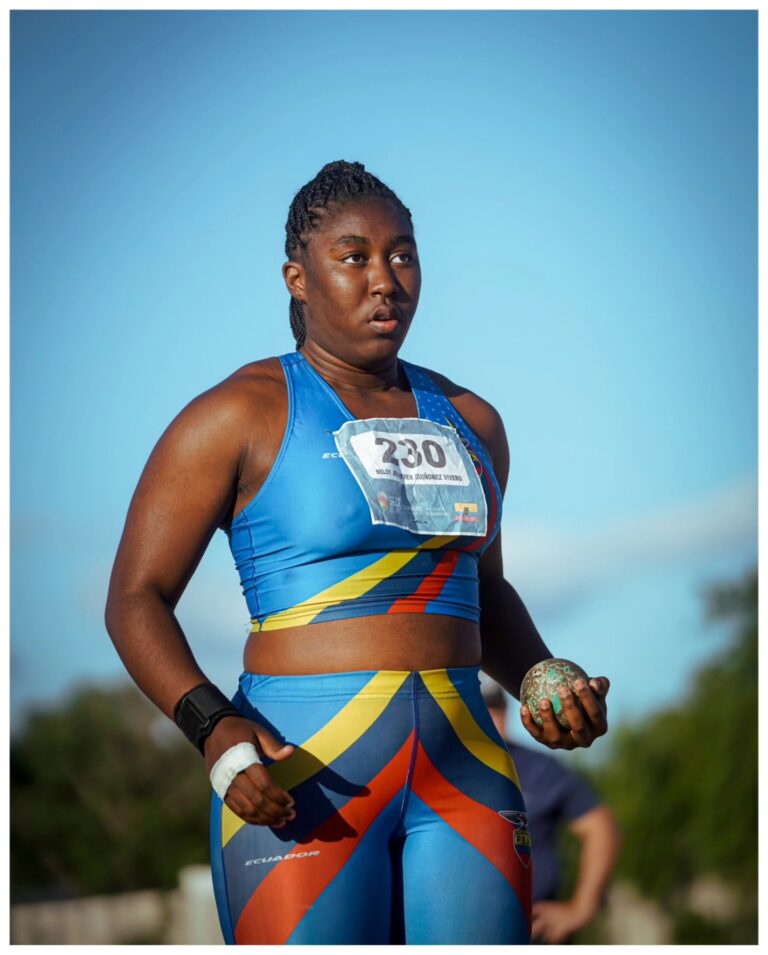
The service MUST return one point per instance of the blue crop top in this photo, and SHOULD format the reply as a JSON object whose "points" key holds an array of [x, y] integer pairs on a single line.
{"points": [[363, 517]]}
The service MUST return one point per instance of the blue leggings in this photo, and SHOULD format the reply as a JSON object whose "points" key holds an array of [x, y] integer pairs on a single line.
{"points": [[410, 826]]}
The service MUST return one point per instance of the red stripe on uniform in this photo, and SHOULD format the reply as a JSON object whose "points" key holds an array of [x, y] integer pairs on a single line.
{"points": [[430, 588], [292, 887], [483, 828]]}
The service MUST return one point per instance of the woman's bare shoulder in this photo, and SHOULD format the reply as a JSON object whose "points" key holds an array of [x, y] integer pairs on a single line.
{"points": [[263, 377], [235, 405], [479, 414]]}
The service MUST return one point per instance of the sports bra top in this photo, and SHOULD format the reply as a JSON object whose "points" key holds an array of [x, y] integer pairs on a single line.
{"points": [[364, 517]]}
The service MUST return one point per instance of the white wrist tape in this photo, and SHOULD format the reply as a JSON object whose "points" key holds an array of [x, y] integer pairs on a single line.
{"points": [[230, 763]]}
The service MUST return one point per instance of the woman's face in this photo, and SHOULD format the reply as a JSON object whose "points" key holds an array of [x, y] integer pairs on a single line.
{"points": [[359, 279]]}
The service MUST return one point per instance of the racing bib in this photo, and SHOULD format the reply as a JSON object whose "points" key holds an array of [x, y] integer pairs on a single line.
{"points": [[414, 474]]}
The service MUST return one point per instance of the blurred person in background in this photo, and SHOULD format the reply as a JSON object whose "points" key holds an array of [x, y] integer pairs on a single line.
{"points": [[555, 797]]}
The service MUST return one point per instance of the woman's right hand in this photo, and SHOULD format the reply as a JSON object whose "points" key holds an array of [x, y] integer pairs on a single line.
{"points": [[252, 795]]}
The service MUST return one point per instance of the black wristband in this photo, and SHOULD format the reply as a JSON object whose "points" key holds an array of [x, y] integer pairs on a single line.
{"points": [[199, 710]]}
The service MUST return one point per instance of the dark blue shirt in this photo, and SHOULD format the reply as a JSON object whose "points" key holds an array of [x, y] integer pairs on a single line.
{"points": [[553, 796]]}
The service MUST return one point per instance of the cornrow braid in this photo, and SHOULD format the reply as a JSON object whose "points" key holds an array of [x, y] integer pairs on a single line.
{"points": [[337, 182]]}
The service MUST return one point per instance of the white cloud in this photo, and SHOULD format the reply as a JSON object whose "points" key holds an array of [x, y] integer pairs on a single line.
{"points": [[554, 569]]}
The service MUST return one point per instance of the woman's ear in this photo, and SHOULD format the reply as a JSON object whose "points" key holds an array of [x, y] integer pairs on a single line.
{"points": [[293, 273]]}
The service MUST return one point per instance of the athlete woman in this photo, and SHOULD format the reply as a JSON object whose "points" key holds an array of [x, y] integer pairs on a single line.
{"points": [[363, 794]]}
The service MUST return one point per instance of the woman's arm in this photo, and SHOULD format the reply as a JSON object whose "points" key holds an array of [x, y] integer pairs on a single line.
{"points": [[512, 644], [187, 490], [184, 493]]}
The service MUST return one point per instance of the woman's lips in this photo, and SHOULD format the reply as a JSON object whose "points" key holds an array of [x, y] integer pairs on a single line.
{"points": [[384, 324], [385, 320]]}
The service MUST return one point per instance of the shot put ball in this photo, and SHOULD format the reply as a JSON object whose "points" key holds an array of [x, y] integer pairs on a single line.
{"points": [[543, 681]]}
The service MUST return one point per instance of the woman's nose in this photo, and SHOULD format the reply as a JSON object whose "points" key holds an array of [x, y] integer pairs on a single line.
{"points": [[381, 279]]}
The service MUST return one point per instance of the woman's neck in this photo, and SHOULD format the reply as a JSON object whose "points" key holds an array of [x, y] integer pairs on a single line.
{"points": [[347, 377]]}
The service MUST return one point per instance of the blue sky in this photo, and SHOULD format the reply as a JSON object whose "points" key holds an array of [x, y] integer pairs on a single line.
{"points": [[584, 192]]}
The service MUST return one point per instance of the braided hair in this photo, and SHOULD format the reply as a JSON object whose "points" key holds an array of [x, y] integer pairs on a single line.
{"points": [[336, 183]]}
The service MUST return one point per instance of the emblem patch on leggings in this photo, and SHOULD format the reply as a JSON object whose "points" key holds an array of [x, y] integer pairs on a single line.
{"points": [[522, 837], [415, 474]]}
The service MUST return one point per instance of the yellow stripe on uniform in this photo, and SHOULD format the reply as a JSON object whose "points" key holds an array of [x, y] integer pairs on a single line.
{"points": [[328, 743], [474, 738], [350, 588]]}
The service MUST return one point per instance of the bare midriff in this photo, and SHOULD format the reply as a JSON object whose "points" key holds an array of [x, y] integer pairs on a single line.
{"points": [[407, 641]]}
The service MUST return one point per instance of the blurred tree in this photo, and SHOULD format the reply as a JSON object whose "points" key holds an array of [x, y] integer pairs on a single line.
{"points": [[683, 783], [106, 796]]}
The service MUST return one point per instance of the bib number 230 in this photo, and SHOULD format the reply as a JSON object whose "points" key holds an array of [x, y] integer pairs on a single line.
{"points": [[414, 456]]}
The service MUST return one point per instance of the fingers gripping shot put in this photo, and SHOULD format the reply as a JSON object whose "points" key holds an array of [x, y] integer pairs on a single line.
{"points": [[560, 688], [361, 793]]}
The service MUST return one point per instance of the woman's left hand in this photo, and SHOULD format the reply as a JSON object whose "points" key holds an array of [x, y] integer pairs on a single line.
{"points": [[586, 712]]}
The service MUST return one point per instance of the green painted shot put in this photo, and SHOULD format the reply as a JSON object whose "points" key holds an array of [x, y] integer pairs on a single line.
{"points": [[543, 681]]}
